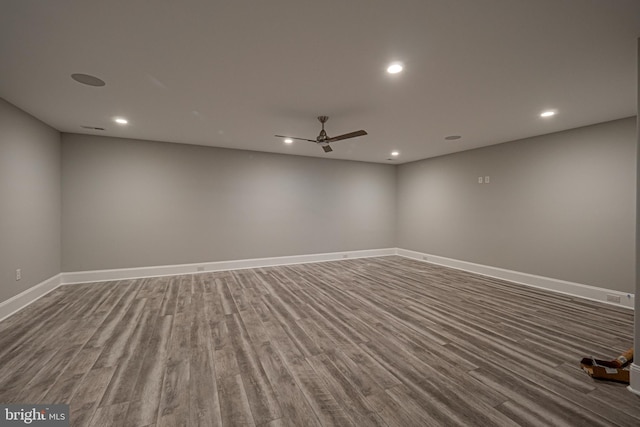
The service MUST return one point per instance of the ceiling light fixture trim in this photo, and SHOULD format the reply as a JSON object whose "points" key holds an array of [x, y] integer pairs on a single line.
{"points": [[395, 68]]}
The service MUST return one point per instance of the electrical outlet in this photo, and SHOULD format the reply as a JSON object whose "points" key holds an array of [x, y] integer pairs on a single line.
{"points": [[613, 298], [486, 179], [18, 274], [480, 180]]}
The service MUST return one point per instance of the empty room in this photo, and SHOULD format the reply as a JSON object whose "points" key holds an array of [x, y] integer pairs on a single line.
{"points": [[338, 213]]}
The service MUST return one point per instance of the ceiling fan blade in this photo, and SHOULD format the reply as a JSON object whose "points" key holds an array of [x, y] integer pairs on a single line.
{"points": [[347, 136], [327, 149], [293, 137]]}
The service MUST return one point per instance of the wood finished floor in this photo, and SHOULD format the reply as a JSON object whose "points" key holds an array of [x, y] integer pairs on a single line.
{"points": [[381, 341]]}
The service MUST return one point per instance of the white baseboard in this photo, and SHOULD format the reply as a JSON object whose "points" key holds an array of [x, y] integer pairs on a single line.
{"points": [[634, 386], [23, 299], [20, 301], [202, 267], [12, 305], [555, 285]]}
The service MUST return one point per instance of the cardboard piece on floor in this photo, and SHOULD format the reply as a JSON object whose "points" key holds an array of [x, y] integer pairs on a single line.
{"points": [[593, 367]]}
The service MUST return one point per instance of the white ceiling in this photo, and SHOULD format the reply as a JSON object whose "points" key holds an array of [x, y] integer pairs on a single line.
{"points": [[232, 73]]}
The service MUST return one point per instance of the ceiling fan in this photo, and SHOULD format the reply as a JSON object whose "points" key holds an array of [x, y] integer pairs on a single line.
{"points": [[324, 140]]}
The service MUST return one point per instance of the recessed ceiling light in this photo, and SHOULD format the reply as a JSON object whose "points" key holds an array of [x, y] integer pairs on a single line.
{"points": [[121, 121], [395, 153], [288, 140], [88, 80], [547, 113], [452, 137], [394, 68]]}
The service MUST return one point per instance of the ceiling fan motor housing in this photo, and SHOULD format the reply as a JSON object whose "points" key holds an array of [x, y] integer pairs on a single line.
{"points": [[323, 135]]}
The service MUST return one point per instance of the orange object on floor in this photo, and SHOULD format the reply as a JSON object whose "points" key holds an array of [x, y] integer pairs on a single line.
{"points": [[610, 370]]}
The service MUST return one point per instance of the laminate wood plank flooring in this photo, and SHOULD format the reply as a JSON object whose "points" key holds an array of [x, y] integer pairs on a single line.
{"points": [[383, 341]]}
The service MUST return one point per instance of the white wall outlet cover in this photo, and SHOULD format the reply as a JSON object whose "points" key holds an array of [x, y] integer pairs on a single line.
{"points": [[613, 298], [479, 180], [486, 179]]}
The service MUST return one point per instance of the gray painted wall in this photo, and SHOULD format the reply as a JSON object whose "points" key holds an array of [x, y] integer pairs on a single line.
{"points": [[560, 205], [30, 200], [130, 203]]}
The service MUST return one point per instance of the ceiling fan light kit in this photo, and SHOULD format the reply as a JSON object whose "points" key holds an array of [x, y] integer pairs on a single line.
{"points": [[323, 139]]}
